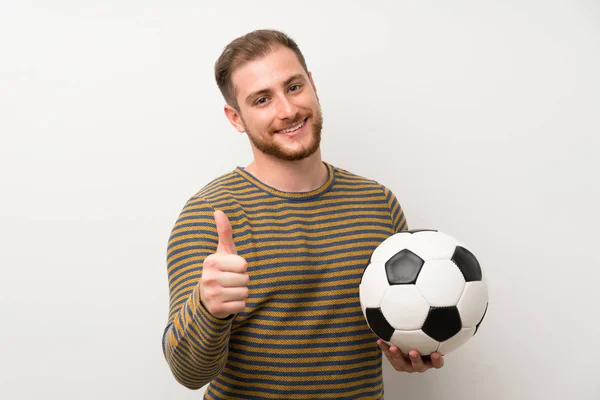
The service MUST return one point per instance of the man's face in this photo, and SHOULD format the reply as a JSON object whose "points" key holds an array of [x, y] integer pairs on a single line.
{"points": [[278, 106]]}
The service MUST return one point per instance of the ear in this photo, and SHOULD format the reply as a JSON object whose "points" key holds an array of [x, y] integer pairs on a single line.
{"points": [[234, 117]]}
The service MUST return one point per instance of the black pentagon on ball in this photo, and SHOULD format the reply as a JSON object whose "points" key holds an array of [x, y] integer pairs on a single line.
{"points": [[403, 268], [467, 263], [379, 324], [442, 323]]}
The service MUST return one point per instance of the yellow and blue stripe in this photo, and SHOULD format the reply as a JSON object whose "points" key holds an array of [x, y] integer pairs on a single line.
{"points": [[302, 333]]}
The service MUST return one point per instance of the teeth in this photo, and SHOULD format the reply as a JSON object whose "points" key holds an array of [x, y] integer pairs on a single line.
{"points": [[292, 129]]}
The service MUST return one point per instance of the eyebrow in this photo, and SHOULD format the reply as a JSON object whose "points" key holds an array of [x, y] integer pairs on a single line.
{"points": [[251, 96]]}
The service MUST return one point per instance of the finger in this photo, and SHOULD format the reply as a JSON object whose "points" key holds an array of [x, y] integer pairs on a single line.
{"points": [[229, 263], [395, 351], [417, 361], [437, 360], [234, 294], [384, 348], [226, 244], [395, 356], [230, 307], [233, 279]]}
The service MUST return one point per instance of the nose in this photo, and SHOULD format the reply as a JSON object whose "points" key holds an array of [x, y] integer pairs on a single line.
{"points": [[286, 109]]}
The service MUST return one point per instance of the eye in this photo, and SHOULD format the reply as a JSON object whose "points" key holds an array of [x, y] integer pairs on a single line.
{"points": [[295, 88], [261, 101]]}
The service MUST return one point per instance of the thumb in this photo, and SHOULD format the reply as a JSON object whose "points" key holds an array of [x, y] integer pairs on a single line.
{"points": [[225, 233]]}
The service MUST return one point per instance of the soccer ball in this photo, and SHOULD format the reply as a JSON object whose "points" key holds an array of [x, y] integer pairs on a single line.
{"points": [[423, 290]]}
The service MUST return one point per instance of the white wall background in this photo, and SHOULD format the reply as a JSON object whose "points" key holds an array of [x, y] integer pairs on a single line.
{"points": [[482, 116]]}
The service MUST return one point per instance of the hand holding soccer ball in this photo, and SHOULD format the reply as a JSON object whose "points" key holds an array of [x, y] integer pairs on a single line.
{"points": [[412, 362]]}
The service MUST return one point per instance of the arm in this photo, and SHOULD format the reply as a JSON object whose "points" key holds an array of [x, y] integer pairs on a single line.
{"points": [[194, 341]]}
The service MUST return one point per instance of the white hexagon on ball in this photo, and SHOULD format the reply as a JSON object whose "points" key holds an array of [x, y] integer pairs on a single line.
{"points": [[414, 340], [404, 307], [373, 285], [441, 283], [432, 245], [472, 303]]}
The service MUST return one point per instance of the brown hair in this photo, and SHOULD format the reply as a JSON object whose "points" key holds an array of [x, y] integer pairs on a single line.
{"points": [[246, 48]]}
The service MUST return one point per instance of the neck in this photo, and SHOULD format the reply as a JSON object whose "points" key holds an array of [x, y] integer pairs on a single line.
{"points": [[290, 176]]}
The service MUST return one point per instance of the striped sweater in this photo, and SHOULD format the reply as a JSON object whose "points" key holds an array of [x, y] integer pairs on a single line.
{"points": [[302, 334]]}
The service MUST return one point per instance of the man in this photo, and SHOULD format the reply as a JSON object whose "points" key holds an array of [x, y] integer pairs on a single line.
{"points": [[264, 262]]}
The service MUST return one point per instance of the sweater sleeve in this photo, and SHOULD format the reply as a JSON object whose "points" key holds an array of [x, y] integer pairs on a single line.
{"points": [[194, 342], [396, 213]]}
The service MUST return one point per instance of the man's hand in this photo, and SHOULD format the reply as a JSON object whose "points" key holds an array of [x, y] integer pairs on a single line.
{"points": [[413, 363], [224, 283]]}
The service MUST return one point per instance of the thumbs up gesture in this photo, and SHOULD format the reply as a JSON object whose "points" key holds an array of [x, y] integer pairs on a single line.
{"points": [[224, 283]]}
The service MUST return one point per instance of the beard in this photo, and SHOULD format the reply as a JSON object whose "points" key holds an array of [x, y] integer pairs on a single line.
{"points": [[276, 150]]}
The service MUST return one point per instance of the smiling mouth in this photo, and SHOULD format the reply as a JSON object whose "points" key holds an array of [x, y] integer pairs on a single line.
{"points": [[293, 128]]}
